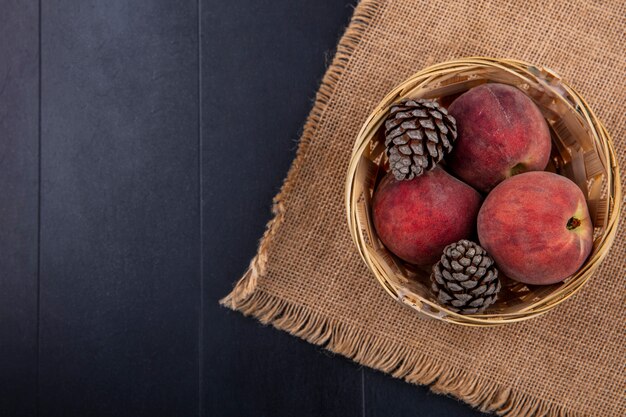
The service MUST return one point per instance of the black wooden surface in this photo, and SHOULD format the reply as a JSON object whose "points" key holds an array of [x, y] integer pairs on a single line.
{"points": [[140, 146], [19, 195]]}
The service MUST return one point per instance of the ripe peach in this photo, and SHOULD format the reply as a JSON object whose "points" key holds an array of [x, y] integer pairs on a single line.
{"points": [[536, 226], [416, 219], [501, 132]]}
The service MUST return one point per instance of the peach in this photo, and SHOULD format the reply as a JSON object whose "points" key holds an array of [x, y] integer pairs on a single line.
{"points": [[501, 132], [416, 219], [536, 226]]}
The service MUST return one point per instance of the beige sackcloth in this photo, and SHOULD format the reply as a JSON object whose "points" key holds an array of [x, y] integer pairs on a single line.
{"points": [[308, 279]]}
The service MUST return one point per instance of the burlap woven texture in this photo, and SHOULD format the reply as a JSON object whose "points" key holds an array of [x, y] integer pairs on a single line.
{"points": [[308, 279]]}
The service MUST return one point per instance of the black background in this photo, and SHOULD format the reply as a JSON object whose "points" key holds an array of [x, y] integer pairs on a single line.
{"points": [[141, 143]]}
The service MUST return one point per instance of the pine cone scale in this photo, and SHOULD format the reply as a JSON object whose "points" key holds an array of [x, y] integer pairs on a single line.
{"points": [[462, 286], [418, 134]]}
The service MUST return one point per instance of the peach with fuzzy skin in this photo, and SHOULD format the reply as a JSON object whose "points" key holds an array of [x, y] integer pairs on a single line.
{"points": [[501, 132], [536, 226], [416, 219]]}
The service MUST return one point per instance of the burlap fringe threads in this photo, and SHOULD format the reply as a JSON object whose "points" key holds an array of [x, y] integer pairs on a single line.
{"points": [[360, 21], [365, 348]]}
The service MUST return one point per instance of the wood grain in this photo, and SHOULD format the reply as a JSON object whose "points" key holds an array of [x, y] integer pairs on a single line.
{"points": [[19, 161]]}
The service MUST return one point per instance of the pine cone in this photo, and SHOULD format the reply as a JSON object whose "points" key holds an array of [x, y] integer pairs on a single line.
{"points": [[418, 134], [465, 280]]}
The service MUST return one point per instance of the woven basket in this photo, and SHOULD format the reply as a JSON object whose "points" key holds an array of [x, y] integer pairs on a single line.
{"points": [[582, 151]]}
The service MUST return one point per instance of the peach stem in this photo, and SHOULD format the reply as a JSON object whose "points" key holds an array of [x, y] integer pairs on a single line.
{"points": [[573, 223]]}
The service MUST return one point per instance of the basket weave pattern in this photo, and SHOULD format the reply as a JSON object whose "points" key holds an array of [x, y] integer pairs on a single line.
{"points": [[582, 151]]}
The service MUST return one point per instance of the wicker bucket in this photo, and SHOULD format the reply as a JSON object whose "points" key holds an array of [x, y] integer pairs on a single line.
{"points": [[581, 150]]}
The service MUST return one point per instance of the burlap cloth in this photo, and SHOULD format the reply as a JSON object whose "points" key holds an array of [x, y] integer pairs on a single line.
{"points": [[308, 279]]}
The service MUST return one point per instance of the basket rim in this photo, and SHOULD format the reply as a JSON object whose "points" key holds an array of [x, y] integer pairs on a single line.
{"points": [[601, 140]]}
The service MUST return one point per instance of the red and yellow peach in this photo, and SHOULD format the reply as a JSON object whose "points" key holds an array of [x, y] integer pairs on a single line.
{"points": [[501, 132], [416, 219], [537, 228]]}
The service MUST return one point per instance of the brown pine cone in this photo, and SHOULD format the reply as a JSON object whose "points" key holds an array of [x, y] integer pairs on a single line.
{"points": [[418, 134], [465, 279]]}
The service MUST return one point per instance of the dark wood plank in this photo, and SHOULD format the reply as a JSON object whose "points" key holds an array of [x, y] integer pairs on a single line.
{"points": [[19, 162], [387, 396], [261, 65], [120, 254]]}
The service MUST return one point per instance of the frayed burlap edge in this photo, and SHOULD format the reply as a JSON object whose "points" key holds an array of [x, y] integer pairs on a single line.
{"points": [[361, 19], [388, 356], [357, 344]]}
